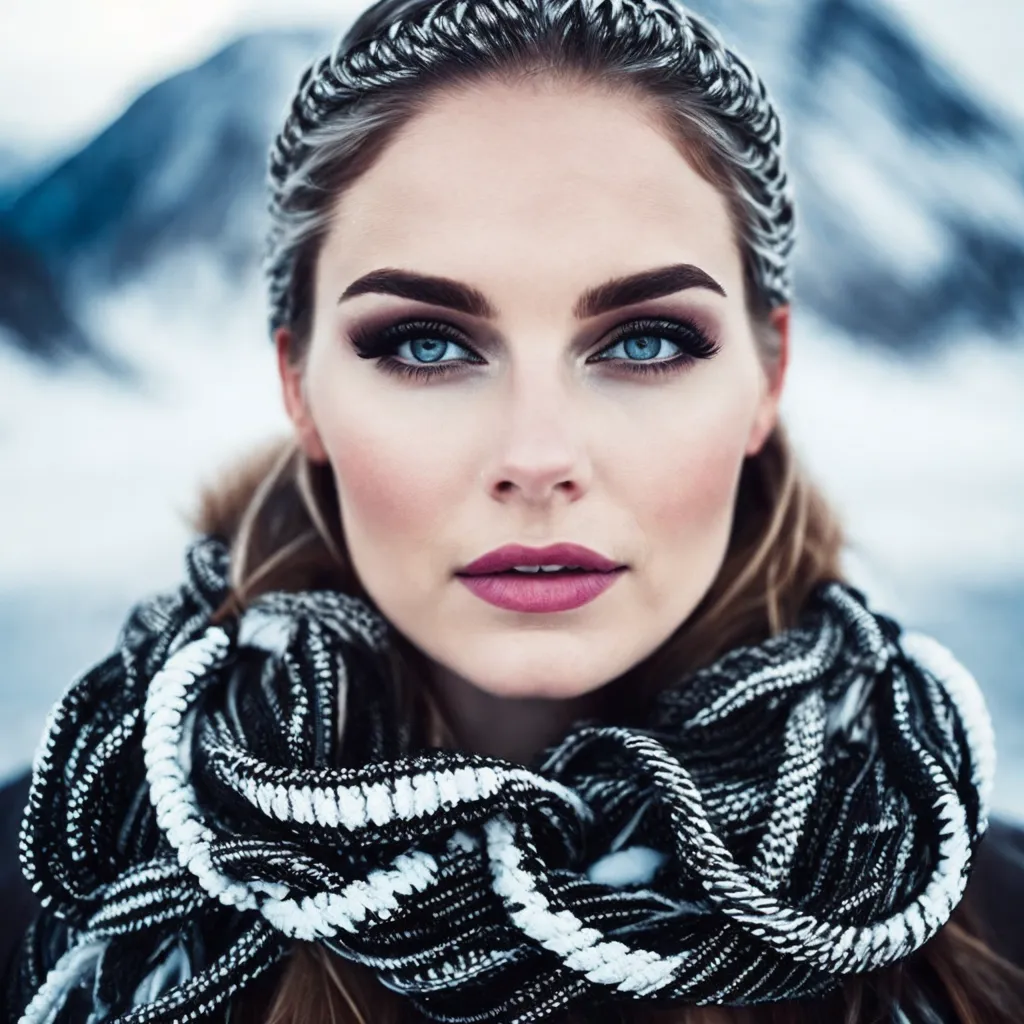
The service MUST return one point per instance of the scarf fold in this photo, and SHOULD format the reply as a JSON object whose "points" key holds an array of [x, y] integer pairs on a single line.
{"points": [[801, 809]]}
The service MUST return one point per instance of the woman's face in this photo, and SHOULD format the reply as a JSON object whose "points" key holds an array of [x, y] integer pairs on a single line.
{"points": [[534, 199]]}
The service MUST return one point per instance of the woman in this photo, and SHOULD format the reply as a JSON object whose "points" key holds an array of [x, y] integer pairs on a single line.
{"points": [[521, 683]]}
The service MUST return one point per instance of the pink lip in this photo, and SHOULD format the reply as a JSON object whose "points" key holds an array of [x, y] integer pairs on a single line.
{"points": [[555, 554], [537, 593]]}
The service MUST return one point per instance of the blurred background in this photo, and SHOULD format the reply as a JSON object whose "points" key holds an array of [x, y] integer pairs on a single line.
{"points": [[134, 358]]}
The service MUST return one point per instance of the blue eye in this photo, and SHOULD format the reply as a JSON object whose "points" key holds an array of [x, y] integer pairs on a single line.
{"points": [[639, 347], [640, 341], [430, 349], [646, 349]]}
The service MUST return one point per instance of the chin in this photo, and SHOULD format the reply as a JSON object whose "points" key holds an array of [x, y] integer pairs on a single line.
{"points": [[536, 682], [546, 691]]}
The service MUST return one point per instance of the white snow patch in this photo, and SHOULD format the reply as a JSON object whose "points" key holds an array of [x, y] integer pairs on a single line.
{"points": [[98, 477], [923, 459]]}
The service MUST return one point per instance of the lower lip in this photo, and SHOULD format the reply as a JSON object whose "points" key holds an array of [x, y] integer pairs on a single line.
{"points": [[538, 593]]}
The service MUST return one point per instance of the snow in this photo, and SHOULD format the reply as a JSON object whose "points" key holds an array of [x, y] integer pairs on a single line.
{"points": [[858, 149], [980, 44], [127, 463], [923, 457]]}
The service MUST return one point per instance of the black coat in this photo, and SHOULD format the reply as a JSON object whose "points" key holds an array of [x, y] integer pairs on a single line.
{"points": [[996, 889]]}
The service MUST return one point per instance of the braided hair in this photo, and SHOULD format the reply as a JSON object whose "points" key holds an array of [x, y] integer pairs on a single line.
{"points": [[350, 101]]}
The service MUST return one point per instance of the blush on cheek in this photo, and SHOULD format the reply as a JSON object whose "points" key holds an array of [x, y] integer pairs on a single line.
{"points": [[685, 503], [691, 483], [370, 486], [687, 476], [394, 497]]}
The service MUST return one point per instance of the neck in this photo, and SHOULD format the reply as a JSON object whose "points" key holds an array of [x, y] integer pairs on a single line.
{"points": [[512, 728]]}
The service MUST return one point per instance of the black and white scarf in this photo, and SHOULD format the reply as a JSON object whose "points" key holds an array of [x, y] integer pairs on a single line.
{"points": [[799, 810]]}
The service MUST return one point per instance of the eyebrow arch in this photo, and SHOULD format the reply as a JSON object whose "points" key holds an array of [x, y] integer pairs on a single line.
{"points": [[619, 291]]}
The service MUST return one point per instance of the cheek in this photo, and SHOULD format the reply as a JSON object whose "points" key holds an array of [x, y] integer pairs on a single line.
{"points": [[700, 487], [683, 490], [386, 486], [397, 485], [690, 475], [389, 487]]}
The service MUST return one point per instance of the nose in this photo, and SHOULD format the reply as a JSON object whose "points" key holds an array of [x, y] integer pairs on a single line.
{"points": [[541, 449]]}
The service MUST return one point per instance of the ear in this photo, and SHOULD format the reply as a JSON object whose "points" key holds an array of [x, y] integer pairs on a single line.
{"points": [[768, 407], [295, 402]]}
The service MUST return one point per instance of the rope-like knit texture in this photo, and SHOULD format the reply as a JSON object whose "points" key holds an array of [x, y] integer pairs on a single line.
{"points": [[661, 35], [799, 810]]}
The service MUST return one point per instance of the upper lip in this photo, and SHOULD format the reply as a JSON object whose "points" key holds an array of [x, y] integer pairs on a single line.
{"points": [[556, 554]]}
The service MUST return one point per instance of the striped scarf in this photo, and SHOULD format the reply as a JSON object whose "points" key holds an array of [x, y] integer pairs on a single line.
{"points": [[799, 810]]}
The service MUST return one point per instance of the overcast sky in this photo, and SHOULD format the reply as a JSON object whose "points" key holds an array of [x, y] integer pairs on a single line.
{"points": [[68, 67]]}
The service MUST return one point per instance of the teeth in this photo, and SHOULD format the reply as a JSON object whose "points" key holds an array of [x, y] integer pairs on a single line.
{"points": [[544, 568]]}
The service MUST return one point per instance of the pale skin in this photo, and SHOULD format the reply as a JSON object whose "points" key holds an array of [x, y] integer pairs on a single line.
{"points": [[531, 194]]}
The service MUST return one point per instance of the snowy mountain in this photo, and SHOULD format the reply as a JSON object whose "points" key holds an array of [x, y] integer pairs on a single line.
{"points": [[910, 191], [32, 307], [15, 170], [911, 194], [183, 166]]}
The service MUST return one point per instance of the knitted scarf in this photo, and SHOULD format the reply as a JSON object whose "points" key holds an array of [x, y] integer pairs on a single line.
{"points": [[801, 809]]}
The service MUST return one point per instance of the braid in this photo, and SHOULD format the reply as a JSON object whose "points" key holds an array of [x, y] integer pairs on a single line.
{"points": [[659, 42]]}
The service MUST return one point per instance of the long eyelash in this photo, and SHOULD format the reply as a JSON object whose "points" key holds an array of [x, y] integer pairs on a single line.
{"points": [[382, 345], [695, 343]]}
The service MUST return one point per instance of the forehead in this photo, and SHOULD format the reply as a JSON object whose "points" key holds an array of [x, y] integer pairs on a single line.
{"points": [[550, 183]]}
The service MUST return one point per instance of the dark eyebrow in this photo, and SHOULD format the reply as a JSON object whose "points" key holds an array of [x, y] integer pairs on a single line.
{"points": [[647, 284], [619, 291]]}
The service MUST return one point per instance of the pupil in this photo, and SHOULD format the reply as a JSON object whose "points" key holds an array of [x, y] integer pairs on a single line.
{"points": [[434, 347], [642, 348]]}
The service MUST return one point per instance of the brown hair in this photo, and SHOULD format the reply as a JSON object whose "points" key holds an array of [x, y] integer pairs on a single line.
{"points": [[280, 514]]}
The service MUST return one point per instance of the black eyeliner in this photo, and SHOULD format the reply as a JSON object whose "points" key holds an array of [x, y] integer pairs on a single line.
{"points": [[380, 343], [373, 342]]}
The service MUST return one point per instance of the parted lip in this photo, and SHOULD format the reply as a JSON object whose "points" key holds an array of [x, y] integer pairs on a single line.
{"points": [[555, 554]]}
